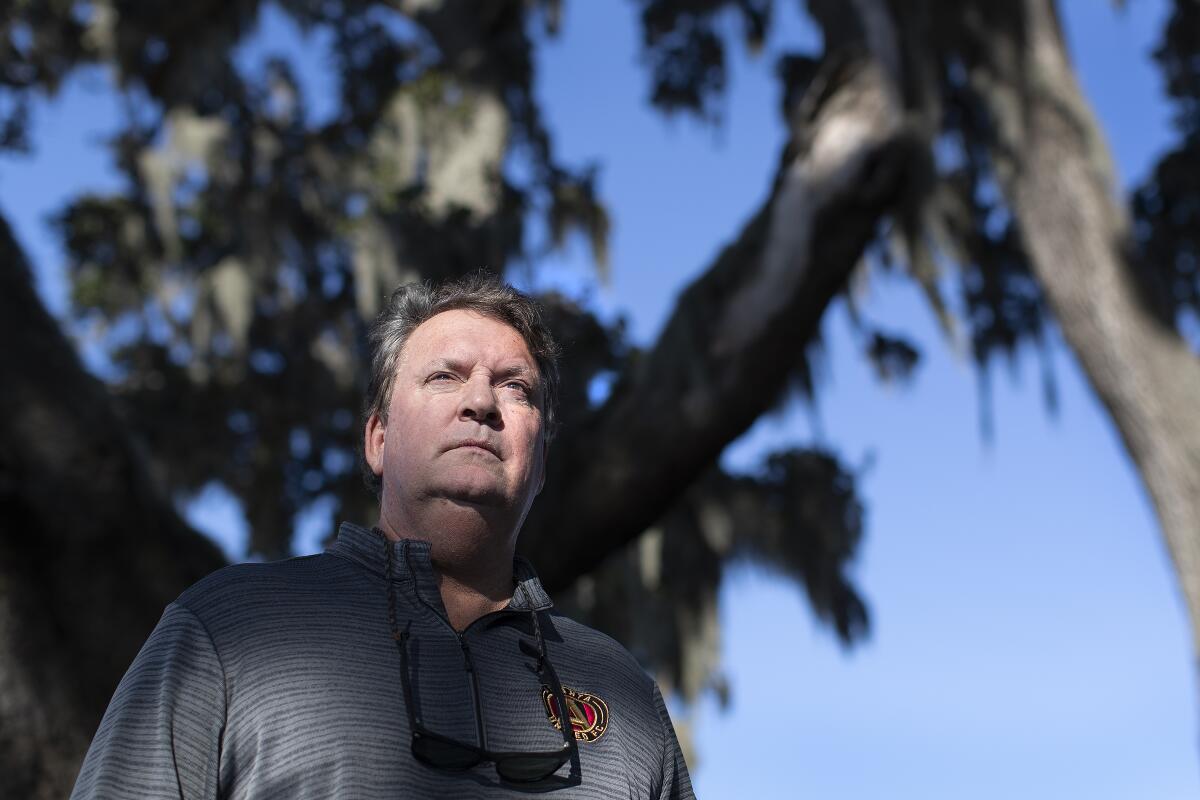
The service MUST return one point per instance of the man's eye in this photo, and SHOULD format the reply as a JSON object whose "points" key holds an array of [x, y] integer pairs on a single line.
{"points": [[441, 376], [521, 387]]}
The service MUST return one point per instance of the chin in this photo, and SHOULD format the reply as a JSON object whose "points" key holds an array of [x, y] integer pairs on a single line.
{"points": [[479, 487], [466, 528], [475, 496]]}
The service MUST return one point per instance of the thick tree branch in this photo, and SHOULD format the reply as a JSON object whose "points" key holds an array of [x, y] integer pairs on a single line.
{"points": [[736, 334], [1055, 171], [91, 551]]}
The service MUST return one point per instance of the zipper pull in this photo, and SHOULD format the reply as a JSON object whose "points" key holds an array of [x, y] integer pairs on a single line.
{"points": [[466, 653]]}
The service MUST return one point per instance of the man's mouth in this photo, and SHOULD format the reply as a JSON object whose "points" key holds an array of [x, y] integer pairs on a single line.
{"points": [[478, 444]]}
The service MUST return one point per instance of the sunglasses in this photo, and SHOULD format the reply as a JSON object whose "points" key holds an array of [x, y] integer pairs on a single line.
{"points": [[443, 752]]}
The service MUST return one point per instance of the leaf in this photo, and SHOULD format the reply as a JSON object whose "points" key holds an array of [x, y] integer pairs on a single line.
{"points": [[232, 292]]}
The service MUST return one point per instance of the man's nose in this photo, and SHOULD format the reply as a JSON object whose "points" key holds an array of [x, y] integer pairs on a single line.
{"points": [[479, 401]]}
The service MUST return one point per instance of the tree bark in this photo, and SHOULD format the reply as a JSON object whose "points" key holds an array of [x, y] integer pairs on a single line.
{"points": [[1055, 172], [738, 334], [91, 550]]}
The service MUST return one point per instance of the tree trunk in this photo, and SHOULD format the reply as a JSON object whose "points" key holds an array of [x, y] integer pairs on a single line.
{"points": [[1056, 174], [90, 554]]}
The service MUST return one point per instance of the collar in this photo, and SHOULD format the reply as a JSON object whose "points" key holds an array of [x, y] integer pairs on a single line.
{"points": [[411, 564]]}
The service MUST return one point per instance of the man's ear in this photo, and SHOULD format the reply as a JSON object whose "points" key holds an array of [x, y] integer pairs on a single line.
{"points": [[374, 436]]}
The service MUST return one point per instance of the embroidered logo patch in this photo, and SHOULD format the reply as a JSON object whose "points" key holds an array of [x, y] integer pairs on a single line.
{"points": [[588, 713]]}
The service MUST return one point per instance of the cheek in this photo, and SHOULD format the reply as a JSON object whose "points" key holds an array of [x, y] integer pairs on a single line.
{"points": [[398, 441], [409, 423], [535, 447]]}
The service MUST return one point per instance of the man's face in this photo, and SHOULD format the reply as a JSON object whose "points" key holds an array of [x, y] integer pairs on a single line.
{"points": [[464, 421]]}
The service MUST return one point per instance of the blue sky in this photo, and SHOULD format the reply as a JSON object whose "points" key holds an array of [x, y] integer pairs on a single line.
{"points": [[1028, 639]]}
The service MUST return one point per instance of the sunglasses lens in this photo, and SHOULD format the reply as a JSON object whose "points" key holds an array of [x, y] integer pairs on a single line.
{"points": [[444, 754], [532, 767]]}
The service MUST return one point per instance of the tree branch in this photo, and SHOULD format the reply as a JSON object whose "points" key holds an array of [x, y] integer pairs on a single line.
{"points": [[737, 333], [1056, 174]]}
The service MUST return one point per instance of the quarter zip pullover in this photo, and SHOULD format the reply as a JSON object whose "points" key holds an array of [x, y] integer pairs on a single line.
{"points": [[282, 680]]}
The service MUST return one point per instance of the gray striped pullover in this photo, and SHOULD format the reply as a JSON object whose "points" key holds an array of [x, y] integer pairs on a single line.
{"points": [[283, 680]]}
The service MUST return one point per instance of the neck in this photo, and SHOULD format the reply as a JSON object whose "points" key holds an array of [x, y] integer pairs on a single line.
{"points": [[473, 564], [466, 603]]}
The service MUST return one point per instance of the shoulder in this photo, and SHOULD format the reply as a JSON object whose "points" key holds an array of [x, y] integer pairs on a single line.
{"points": [[250, 578], [595, 658], [239, 590], [583, 640]]}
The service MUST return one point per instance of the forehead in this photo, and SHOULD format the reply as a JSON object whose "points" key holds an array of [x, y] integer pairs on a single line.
{"points": [[465, 335]]}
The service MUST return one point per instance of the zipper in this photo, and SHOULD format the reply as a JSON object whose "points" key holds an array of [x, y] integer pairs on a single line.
{"points": [[473, 683]]}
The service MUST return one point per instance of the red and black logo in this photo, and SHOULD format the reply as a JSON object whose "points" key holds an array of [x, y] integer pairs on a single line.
{"points": [[588, 713]]}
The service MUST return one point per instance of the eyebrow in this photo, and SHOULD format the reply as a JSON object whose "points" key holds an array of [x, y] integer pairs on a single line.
{"points": [[514, 370], [448, 364], [518, 371]]}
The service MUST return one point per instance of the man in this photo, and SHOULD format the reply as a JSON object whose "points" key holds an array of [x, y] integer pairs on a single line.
{"points": [[416, 659]]}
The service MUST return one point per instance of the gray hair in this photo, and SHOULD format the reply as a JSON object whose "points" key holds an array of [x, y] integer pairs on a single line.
{"points": [[415, 303]]}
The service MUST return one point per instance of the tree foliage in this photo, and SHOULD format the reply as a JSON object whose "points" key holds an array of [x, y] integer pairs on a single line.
{"points": [[1167, 206], [229, 281]]}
